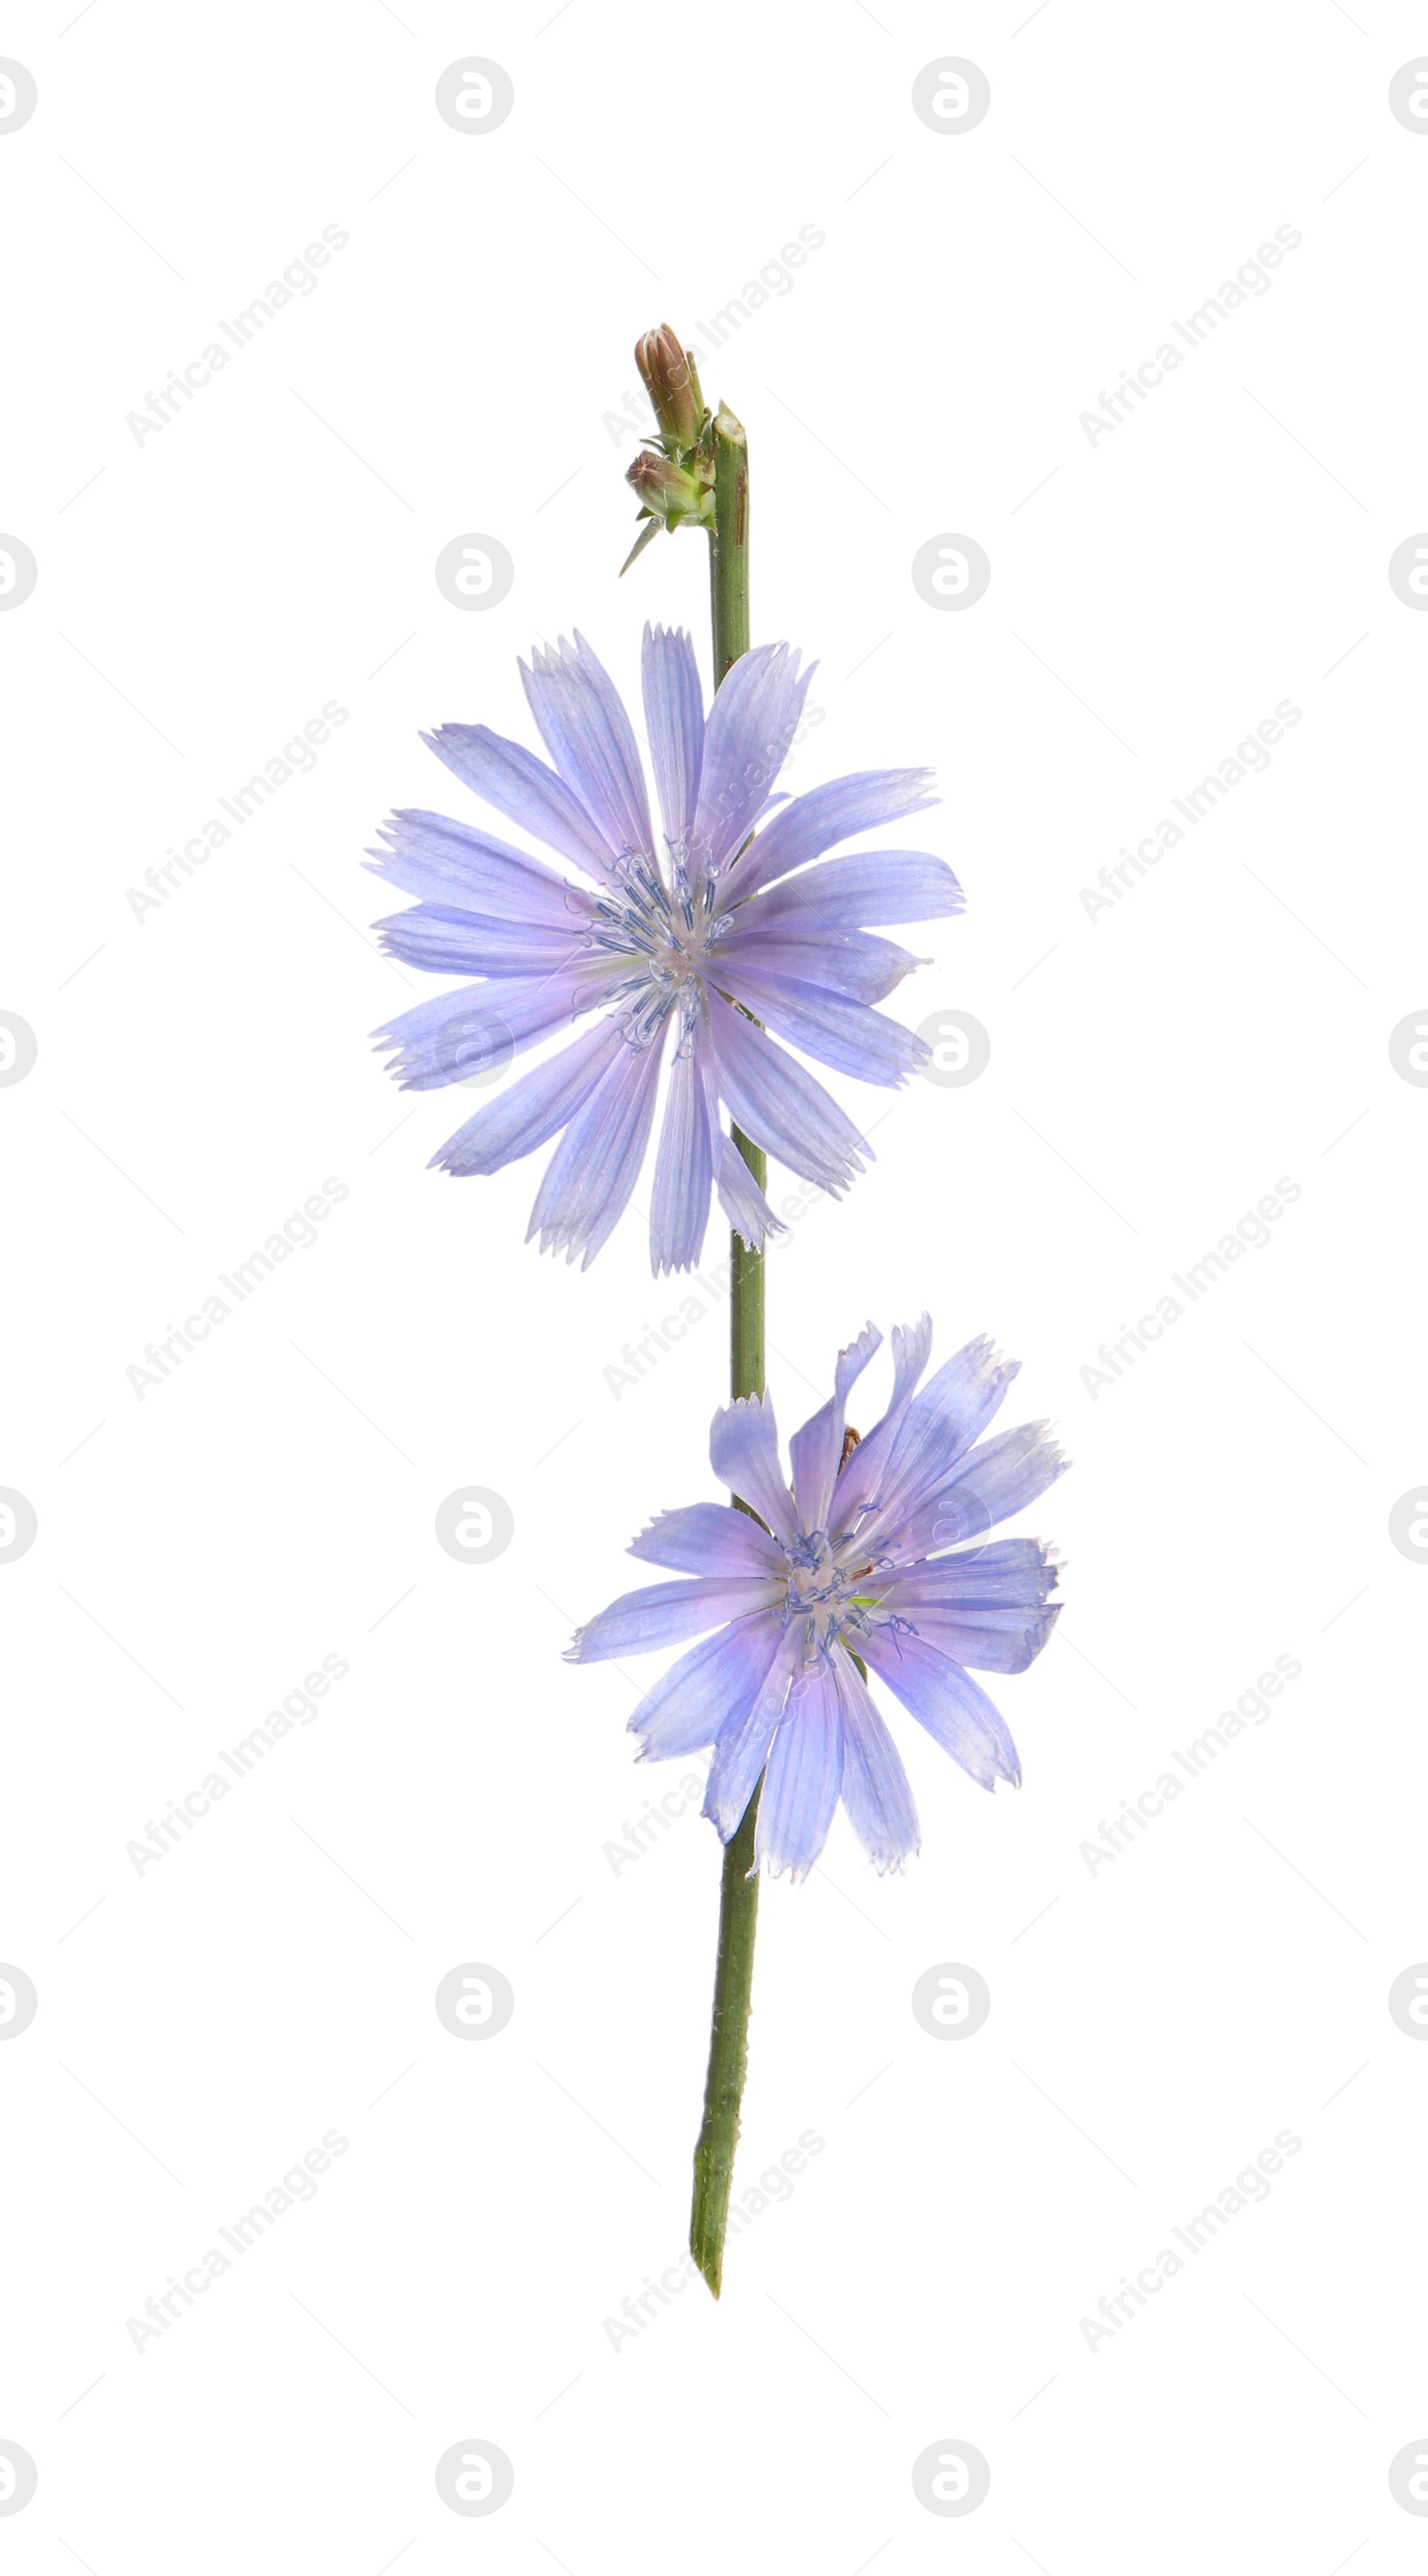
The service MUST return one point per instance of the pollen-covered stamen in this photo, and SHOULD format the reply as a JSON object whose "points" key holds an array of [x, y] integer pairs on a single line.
{"points": [[662, 934], [835, 1597]]}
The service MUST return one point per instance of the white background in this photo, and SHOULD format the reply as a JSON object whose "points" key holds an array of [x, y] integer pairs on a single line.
{"points": [[1154, 1072]]}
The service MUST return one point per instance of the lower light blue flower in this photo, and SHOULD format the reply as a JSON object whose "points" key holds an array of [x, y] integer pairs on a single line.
{"points": [[872, 1553]]}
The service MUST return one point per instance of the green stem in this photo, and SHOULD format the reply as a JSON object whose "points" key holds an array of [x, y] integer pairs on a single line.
{"points": [[739, 1888], [728, 2052], [729, 543], [746, 1293]]}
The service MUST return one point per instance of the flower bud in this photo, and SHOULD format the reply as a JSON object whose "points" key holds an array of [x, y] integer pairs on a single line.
{"points": [[672, 385], [669, 491]]}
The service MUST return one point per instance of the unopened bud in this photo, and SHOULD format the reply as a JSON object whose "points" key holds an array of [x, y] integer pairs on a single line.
{"points": [[672, 385], [670, 491]]}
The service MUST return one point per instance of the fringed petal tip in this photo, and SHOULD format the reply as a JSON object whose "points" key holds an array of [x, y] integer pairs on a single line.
{"points": [[742, 1200], [558, 1239], [773, 1865], [893, 1864], [1039, 1435]]}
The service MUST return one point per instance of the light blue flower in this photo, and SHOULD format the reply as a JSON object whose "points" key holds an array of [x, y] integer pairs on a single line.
{"points": [[696, 943], [844, 1565]]}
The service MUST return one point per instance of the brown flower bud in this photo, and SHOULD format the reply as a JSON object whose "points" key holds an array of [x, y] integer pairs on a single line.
{"points": [[672, 385]]}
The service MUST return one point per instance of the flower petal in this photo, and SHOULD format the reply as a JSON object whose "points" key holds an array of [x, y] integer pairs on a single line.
{"points": [[743, 1452], [808, 825], [585, 729], [751, 724], [805, 1772], [858, 1481], [674, 720], [989, 1641], [446, 941], [1008, 1573], [866, 888], [709, 1538], [988, 1609], [445, 862], [876, 1791], [456, 1034], [940, 1426], [742, 1200], [709, 1689], [664, 1614], [529, 1112], [742, 1748], [780, 1106], [684, 1170], [999, 1478], [834, 1031], [837, 961], [511, 778], [588, 1180], [817, 1449], [954, 1709]]}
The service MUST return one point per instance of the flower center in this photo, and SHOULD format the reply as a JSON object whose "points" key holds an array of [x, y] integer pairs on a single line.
{"points": [[660, 934], [828, 1594], [837, 1593]]}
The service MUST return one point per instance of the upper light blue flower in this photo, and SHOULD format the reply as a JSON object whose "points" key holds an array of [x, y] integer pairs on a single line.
{"points": [[842, 1567], [705, 936]]}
